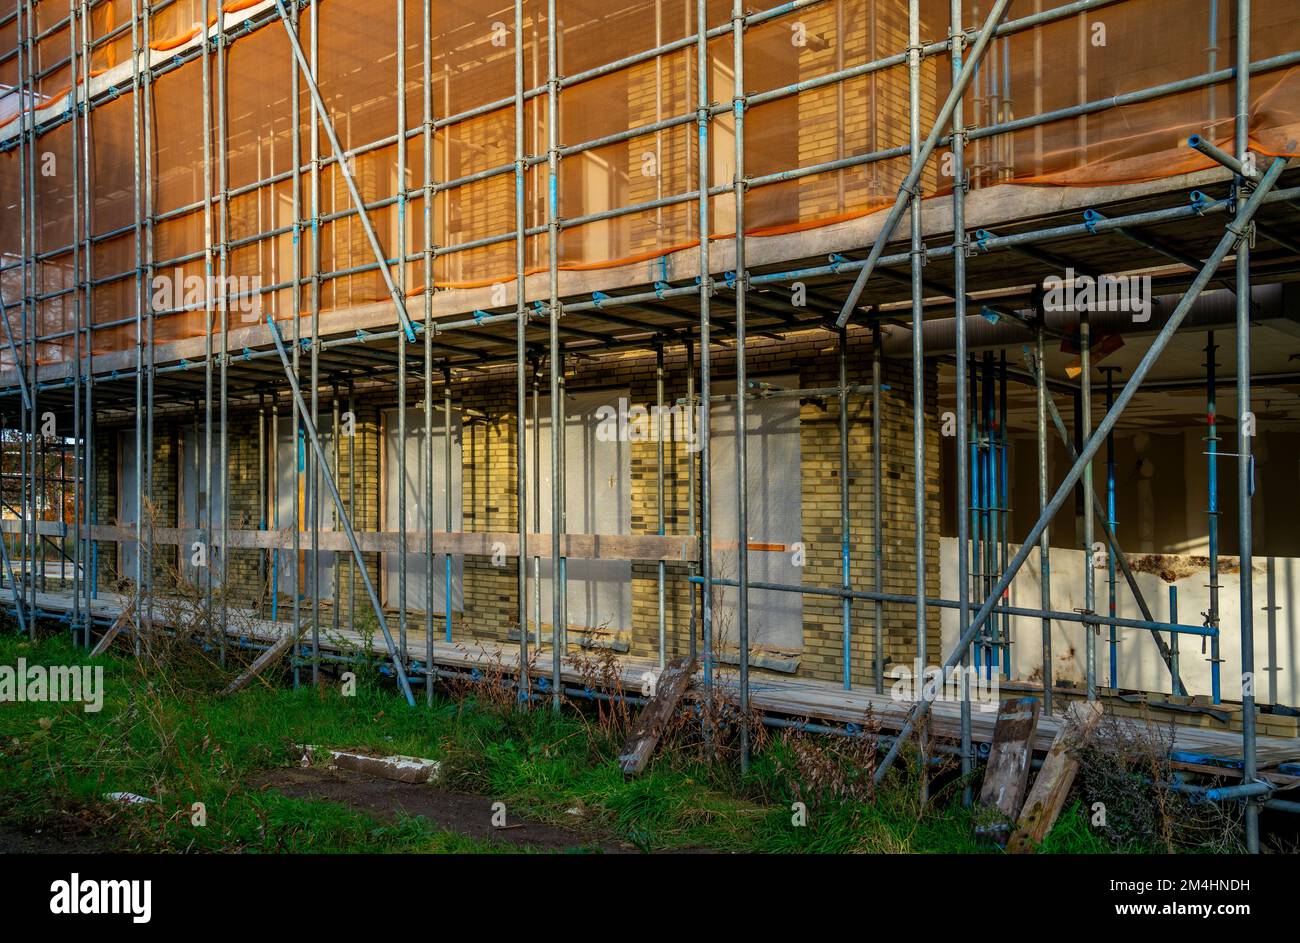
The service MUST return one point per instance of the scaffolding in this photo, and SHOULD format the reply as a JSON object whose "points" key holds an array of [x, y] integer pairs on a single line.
{"points": [[373, 281]]}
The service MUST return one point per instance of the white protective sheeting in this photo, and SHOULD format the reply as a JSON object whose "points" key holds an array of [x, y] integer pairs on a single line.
{"points": [[775, 518], [416, 472], [127, 504], [293, 487], [598, 486], [194, 502]]}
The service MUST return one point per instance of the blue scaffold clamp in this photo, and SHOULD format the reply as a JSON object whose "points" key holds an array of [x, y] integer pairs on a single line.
{"points": [[836, 261], [597, 297], [1199, 202], [982, 237], [660, 288]]}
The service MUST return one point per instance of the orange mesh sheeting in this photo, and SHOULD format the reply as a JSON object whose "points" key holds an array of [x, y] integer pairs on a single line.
{"points": [[1116, 50]]}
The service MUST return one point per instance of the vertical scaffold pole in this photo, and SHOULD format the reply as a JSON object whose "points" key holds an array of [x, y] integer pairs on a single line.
{"points": [[877, 515], [702, 69], [742, 382], [1111, 524], [692, 470], [919, 490], [846, 558], [1089, 570], [1212, 508], [557, 367], [521, 355], [1245, 428], [659, 491], [400, 279], [1044, 540], [208, 331], [956, 37], [427, 141], [224, 469]]}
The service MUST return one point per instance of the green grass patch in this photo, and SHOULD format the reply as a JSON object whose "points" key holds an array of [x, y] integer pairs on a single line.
{"points": [[166, 735]]}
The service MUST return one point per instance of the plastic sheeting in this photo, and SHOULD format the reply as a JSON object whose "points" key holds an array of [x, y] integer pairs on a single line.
{"points": [[1120, 48], [597, 500], [419, 476]]}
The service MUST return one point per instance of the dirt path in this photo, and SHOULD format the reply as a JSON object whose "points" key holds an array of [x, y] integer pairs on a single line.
{"points": [[462, 813], [16, 841]]}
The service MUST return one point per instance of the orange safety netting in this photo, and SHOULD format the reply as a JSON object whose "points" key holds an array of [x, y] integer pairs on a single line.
{"points": [[1094, 56]]}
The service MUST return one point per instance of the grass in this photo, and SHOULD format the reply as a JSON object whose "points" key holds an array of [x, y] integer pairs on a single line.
{"points": [[167, 736]]}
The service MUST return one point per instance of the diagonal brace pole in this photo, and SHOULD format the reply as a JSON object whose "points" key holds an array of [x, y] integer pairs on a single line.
{"points": [[18, 595], [1236, 231], [13, 349], [318, 103], [927, 148], [328, 475], [1120, 557]]}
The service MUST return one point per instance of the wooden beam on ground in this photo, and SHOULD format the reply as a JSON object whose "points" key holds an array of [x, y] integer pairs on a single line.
{"points": [[653, 719], [106, 639], [268, 657], [1052, 787], [399, 768], [1006, 777]]}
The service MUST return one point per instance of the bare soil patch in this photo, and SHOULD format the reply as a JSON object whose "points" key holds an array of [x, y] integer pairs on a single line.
{"points": [[462, 813]]}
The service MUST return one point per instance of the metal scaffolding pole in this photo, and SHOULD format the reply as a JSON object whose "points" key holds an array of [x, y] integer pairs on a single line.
{"points": [[1212, 507], [521, 363], [703, 101], [877, 515], [296, 72], [209, 247], [399, 81], [1089, 568], [26, 519], [659, 493], [919, 490], [960, 247], [1245, 418], [692, 471], [742, 390], [1044, 540], [1111, 523], [557, 366], [78, 303], [427, 140], [846, 551], [224, 468]]}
